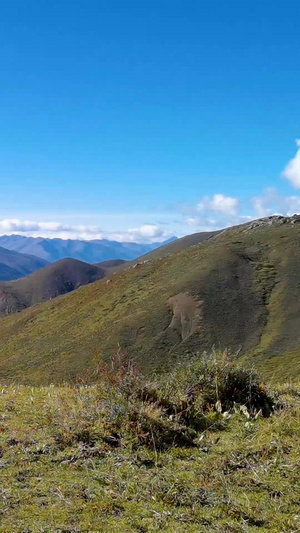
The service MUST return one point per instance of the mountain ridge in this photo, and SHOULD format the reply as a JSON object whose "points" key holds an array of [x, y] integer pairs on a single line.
{"points": [[93, 251], [14, 265]]}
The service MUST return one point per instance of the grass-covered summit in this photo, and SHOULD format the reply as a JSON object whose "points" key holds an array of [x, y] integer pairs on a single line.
{"points": [[49, 282], [239, 289]]}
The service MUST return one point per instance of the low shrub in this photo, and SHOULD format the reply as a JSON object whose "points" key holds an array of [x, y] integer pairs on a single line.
{"points": [[169, 410], [214, 381]]}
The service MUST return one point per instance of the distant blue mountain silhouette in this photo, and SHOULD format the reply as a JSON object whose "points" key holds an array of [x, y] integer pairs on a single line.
{"points": [[89, 251], [14, 265]]}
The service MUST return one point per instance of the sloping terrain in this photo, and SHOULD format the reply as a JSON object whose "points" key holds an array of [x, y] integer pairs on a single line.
{"points": [[238, 290], [113, 265], [87, 251], [8, 273], [14, 265], [162, 251], [58, 278], [179, 244]]}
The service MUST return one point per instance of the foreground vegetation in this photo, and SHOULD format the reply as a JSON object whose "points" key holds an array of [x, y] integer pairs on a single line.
{"points": [[206, 448]]}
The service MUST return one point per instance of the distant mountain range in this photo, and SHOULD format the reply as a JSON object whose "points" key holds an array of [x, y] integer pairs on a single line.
{"points": [[88, 251], [14, 265]]}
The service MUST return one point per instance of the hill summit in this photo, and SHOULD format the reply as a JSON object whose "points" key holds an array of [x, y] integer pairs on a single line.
{"points": [[58, 278]]}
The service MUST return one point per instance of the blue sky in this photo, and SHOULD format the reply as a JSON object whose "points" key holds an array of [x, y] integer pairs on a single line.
{"points": [[142, 119]]}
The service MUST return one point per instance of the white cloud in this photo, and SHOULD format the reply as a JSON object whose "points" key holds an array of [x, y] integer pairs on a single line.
{"points": [[209, 213], [193, 221], [220, 211], [13, 225], [264, 205], [219, 203], [146, 233], [292, 169], [271, 203], [212, 212]]}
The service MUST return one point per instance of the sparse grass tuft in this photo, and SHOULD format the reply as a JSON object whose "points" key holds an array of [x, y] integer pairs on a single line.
{"points": [[189, 452]]}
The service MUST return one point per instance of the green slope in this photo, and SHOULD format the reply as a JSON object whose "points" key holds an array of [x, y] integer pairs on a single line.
{"points": [[58, 278], [178, 245], [173, 247], [239, 289]]}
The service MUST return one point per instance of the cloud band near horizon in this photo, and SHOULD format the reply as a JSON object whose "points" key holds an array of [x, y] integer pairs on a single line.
{"points": [[209, 213]]}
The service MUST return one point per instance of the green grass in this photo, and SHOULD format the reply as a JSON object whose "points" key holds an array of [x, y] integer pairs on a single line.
{"points": [[245, 285], [55, 279], [61, 473]]}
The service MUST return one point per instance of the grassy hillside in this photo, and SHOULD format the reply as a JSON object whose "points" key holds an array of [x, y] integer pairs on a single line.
{"points": [[58, 278], [113, 266], [67, 274], [162, 251], [14, 265], [111, 458], [112, 263], [179, 245], [239, 289]]}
